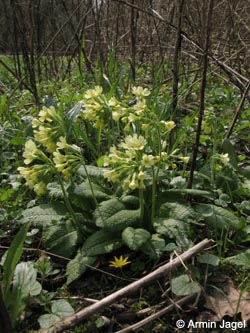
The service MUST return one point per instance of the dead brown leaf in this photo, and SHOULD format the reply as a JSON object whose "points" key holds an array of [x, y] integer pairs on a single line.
{"points": [[228, 301]]}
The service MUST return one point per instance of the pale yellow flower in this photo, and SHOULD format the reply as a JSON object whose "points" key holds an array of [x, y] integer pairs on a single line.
{"points": [[169, 125], [40, 188], [111, 175], [92, 93], [148, 160], [46, 114], [224, 158], [134, 141], [30, 152], [185, 159], [62, 143], [30, 175], [140, 92]]}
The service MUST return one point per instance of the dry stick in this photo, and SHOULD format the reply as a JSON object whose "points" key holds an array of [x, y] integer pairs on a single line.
{"points": [[132, 287], [202, 95], [176, 60], [139, 324], [238, 111]]}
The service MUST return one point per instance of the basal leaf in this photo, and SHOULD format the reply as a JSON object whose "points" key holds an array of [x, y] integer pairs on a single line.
{"points": [[60, 238], [218, 217], [135, 238], [44, 214], [77, 266]]}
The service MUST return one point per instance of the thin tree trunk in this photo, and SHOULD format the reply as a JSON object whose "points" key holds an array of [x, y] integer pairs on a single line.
{"points": [[202, 94]]}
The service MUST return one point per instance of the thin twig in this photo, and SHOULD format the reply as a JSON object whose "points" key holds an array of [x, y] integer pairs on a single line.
{"points": [[78, 317]]}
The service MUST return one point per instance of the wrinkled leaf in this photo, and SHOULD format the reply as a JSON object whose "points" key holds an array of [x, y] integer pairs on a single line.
{"points": [[182, 286], [135, 238]]}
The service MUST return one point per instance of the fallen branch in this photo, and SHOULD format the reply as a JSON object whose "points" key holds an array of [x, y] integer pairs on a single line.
{"points": [[139, 324], [78, 317]]}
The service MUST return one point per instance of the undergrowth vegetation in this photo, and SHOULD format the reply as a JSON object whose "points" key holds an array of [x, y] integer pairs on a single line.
{"points": [[96, 177]]}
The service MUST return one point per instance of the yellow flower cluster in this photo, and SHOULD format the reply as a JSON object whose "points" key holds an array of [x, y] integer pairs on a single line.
{"points": [[129, 162], [48, 128], [68, 162]]}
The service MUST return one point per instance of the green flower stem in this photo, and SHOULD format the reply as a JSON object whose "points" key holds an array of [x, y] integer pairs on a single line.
{"points": [[153, 196], [65, 196], [67, 202], [91, 188], [141, 205]]}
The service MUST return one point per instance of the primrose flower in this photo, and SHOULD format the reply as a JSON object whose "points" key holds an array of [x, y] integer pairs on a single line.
{"points": [[40, 188], [111, 175], [185, 159], [148, 160], [140, 92], [224, 158], [43, 135], [31, 152], [30, 175], [169, 125], [92, 93], [134, 142], [119, 263], [46, 114], [134, 182], [62, 143]]}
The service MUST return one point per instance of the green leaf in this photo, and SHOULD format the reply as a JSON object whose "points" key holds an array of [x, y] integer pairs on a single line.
{"points": [[84, 190], [155, 247], [170, 227], [218, 217], [106, 209], [44, 214], [209, 259], [177, 210], [112, 216], [77, 266], [241, 259], [135, 238], [13, 255], [24, 285], [47, 320], [60, 238], [183, 286], [100, 242], [62, 308]]}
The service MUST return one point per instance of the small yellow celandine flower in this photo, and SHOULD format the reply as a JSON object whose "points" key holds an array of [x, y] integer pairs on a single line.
{"points": [[119, 263], [140, 92], [30, 152]]}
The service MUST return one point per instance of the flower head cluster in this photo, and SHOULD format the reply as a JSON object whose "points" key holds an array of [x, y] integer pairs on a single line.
{"points": [[48, 128], [68, 161], [94, 106], [129, 162]]}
